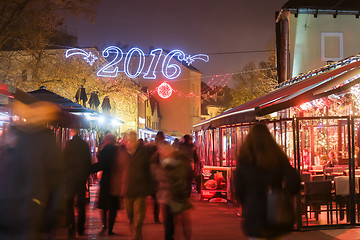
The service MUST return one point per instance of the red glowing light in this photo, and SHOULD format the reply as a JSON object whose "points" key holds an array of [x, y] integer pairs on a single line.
{"points": [[207, 194], [164, 90]]}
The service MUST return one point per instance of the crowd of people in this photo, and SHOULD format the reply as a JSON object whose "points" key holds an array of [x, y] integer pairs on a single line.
{"points": [[39, 183], [45, 183], [133, 169]]}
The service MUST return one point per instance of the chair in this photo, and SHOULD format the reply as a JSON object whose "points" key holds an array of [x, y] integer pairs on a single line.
{"points": [[305, 177], [342, 196], [318, 177], [338, 170], [329, 177], [316, 194]]}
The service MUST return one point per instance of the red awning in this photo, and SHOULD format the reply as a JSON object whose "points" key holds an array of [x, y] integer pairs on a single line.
{"points": [[315, 84]]}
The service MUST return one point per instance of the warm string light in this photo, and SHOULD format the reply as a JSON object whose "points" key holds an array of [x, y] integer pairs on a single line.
{"points": [[319, 71], [355, 94], [217, 80], [219, 87], [164, 89], [217, 76]]}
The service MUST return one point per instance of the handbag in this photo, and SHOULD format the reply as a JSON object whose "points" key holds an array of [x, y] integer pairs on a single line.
{"points": [[280, 208], [178, 207]]}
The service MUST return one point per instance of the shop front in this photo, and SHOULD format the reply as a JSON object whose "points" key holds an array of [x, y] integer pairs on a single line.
{"points": [[315, 118]]}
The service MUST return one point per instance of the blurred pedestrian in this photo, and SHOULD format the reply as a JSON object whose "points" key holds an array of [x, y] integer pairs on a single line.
{"points": [[77, 160], [173, 174], [30, 170], [262, 165], [176, 143], [137, 183], [189, 149], [141, 141], [107, 202], [159, 138]]}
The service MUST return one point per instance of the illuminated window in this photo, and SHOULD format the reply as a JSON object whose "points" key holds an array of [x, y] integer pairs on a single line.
{"points": [[332, 46]]}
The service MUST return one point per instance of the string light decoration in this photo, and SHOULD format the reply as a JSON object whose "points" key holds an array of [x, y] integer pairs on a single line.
{"points": [[89, 57], [170, 69], [164, 90], [355, 94]]}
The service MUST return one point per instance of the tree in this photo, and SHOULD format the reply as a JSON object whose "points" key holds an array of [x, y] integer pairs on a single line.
{"points": [[65, 76], [254, 81], [30, 24]]}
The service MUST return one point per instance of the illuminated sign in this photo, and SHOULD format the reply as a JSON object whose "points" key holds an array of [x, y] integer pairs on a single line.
{"points": [[134, 63], [164, 90], [88, 56]]}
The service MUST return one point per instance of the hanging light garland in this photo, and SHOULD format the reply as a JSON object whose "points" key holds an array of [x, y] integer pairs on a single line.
{"points": [[355, 94], [164, 90]]}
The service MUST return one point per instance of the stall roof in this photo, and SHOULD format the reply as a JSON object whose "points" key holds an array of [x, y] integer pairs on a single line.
{"points": [[155, 132], [315, 84], [323, 5], [64, 103], [65, 118]]}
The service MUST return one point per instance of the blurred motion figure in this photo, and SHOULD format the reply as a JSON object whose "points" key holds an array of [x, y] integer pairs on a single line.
{"points": [[108, 202], [77, 161], [261, 165], [30, 171]]}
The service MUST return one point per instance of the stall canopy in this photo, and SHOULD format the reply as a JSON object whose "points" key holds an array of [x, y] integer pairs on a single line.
{"points": [[322, 82], [71, 111], [66, 119], [64, 103], [153, 132]]}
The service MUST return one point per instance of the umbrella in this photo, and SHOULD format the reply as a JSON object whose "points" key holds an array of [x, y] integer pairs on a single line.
{"points": [[106, 104], [94, 100], [81, 95]]}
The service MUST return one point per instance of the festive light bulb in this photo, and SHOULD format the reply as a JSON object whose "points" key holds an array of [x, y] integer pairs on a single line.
{"points": [[164, 90]]}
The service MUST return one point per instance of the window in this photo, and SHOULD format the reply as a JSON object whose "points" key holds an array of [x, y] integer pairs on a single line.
{"points": [[148, 122], [332, 46]]}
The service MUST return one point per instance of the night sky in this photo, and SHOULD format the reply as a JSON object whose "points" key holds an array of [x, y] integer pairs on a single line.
{"points": [[193, 26]]}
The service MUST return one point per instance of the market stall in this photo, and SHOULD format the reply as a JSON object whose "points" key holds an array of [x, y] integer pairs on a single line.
{"points": [[314, 117]]}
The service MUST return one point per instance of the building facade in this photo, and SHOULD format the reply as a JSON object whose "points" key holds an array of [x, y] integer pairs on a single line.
{"points": [[182, 109], [311, 34]]}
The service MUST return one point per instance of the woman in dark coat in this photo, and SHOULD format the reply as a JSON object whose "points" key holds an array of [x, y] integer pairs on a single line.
{"points": [[107, 159], [262, 164]]}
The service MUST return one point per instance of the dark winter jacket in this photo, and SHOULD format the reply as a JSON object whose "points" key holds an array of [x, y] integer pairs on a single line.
{"points": [[30, 171], [138, 179], [77, 160], [106, 162], [251, 185]]}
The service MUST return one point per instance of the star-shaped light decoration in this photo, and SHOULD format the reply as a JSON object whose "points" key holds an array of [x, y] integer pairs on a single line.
{"points": [[90, 58], [191, 58]]}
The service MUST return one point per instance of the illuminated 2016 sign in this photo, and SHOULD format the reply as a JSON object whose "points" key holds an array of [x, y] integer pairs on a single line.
{"points": [[169, 68]]}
